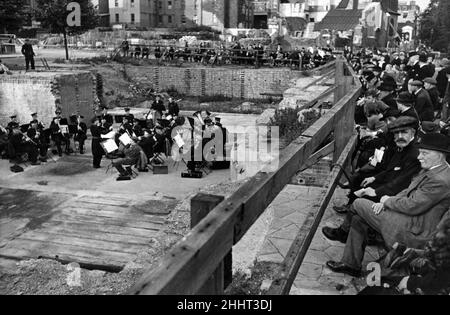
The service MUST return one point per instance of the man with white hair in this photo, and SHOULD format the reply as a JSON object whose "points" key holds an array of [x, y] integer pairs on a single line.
{"points": [[409, 218]]}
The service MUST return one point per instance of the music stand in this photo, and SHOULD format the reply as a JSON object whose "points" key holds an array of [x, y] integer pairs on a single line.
{"points": [[109, 146]]}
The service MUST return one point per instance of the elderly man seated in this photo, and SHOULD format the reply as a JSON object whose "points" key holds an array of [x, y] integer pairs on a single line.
{"points": [[129, 156], [410, 218], [400, 165]]}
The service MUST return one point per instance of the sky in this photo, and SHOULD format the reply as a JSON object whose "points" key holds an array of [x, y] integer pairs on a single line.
{"points": [[423, 4]]}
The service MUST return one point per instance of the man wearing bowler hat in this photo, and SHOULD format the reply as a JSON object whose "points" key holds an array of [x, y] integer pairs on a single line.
{"points": [[409, 218], [423, 104]]}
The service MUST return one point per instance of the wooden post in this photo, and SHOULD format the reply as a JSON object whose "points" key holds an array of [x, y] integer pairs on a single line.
{"points": [[201, 205], [340, 83]]}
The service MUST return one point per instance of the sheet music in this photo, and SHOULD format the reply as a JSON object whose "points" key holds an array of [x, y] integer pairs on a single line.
{"points": [[110, 146], [125, 139], [179, 141], [64, 129]]}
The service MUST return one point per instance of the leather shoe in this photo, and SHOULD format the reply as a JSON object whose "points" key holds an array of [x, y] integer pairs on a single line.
{"points": [[340, 267], [338, 234], [342, 209]]}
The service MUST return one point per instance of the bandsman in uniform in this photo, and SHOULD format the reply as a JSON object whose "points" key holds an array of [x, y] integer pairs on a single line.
{"points": [[57, 135], [35, 134], [81, 133]]}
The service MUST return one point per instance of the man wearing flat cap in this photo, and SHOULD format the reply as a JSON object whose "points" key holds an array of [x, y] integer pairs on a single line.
{"points": [[405, 104], [12, 123], [423, 104], [430, 86], [409, 218], [394, 170]]}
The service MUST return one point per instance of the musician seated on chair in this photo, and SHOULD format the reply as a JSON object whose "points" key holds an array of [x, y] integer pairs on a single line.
{"points": [[129, 156], [3, 142], [60, 135], [19, 145], [35, 134]]}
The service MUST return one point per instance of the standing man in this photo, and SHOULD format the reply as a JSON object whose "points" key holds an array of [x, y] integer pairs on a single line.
{"points": [[81, 134], [27, 51], [129, 115], [174, 109], [97, 150], [423, 104], [430, 85]]}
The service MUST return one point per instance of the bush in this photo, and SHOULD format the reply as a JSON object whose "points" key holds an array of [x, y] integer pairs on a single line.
{"points": [[290, 126]]}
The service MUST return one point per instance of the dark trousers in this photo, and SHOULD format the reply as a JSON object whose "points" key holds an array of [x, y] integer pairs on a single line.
{"points": [[60, 139], [97, 160], [29, 60]]}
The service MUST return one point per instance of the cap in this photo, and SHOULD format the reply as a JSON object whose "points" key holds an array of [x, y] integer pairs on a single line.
{"points": [[416, 83], [13, 116], [33, 114], [402, 123], [430, 81]]}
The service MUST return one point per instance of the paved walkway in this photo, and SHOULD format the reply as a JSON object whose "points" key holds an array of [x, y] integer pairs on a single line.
{"points": [[290, 209]]}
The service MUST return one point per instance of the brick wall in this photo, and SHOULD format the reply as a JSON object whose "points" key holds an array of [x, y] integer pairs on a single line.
{"points": [[235, 83], [39, 92]]}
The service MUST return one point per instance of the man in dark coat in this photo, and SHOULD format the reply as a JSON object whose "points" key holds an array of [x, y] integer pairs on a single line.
{"points": [[174, 109], [405, 103], [387, 94], [430, 86], [27, 51], [97, 150], [57, 134], [81, 134], [425, 69], [423, 104]]}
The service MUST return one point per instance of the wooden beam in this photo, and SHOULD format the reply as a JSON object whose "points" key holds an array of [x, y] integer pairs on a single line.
{"points": [[316, 157], [288, 271]]}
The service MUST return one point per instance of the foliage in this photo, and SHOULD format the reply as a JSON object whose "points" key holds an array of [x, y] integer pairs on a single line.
{"points": [[435, 25], [53, 15], [12, 14], [290, 126]]}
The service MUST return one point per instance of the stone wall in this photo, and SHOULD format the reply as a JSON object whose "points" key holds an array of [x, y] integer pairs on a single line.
{"points": [[234, 83], [41, 92]]}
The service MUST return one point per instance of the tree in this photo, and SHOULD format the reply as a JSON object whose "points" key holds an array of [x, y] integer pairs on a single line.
{"points": [[53, 16], [435, 25], [12, 13]]}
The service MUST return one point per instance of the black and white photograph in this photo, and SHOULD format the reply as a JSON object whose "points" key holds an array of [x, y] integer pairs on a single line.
{"points": [[224, 152]]}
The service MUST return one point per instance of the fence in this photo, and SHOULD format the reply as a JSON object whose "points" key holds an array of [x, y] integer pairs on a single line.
{"points": [[201, 262]]}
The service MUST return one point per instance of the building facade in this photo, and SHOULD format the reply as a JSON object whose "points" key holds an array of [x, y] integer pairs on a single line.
{"points": [[408, 20], [218, 14]]}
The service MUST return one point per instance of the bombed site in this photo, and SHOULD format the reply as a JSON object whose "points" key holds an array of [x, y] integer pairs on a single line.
{"points": [[245, 149]]}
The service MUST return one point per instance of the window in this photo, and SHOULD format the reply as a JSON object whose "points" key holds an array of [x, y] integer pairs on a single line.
{"points": [[132, 18], [117, 18], [183, 19], [132, 3], [169, 19], [160, 5], [160, 19], [169, 5], [116, 3]]}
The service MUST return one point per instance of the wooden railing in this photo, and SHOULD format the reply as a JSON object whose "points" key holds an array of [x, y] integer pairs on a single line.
{"points": [[201, 261]]}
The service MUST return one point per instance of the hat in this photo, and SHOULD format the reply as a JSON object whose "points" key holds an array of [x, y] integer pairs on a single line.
{"points": [[430, 81], [405, 98], [416, 83], [58, 111], [386, 86], [402, 123], [435, 142], [13, 116], [217, 119], [127, 109], [33, 114]]}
